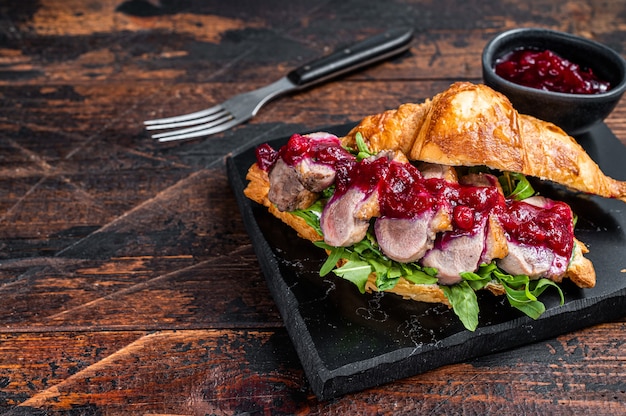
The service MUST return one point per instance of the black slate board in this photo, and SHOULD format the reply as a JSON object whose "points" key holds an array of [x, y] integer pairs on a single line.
{"points": [[348, 342]]}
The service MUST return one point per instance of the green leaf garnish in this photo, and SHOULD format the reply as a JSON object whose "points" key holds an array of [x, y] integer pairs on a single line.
{"points": [[515, 186], [521, 292], [311, 215], [420, 275], [464, 303], [363, 152], [335, 254], [357, 271]]}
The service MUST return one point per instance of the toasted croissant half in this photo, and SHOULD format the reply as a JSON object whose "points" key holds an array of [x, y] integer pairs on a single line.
{"points": [[471, 124]]}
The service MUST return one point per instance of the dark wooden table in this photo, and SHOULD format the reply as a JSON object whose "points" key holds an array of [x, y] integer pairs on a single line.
{"points": [[128, 283]]}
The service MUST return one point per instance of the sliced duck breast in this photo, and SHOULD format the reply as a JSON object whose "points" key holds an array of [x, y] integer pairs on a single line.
{"points": [[533, 261], [436, 171], [315, 176], [340, 223], [305, 166], [316, 164], [477, 236], [455, 254], [549, 254], [286, 191], [346, 217], [407, 239]]}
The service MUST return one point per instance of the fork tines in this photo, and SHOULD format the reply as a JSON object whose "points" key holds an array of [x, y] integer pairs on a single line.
{"points": [[210, 121]]}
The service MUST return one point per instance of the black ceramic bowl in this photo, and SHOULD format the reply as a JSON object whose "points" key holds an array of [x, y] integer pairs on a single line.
{"points": [[574, 113]]}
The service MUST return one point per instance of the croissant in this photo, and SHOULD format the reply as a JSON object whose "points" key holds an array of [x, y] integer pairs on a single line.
{"points": [[471, 124], [464, 126]]}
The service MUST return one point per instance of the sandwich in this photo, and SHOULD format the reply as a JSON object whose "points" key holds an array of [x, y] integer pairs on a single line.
{"points": [[432, 201]]}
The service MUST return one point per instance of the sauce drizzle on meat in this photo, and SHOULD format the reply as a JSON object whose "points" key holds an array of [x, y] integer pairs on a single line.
{"points": [[387, 187]]}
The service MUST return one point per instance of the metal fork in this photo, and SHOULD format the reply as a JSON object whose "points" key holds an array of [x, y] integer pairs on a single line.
{"points": [[243, 107]]}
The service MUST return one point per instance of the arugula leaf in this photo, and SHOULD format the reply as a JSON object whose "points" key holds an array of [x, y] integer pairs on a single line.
{"points": [[312, 214], [515, 186], [521, 292], [464, 303], [386, 282], [479, 279], [534, 309], [335, 254], [419, 275], [357, 271], [543, 284]]}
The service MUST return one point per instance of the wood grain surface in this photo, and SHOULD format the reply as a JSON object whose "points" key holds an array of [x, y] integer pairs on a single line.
{"points": [[128, 284]]}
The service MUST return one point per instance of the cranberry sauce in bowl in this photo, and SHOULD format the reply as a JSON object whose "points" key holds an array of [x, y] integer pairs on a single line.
{"points": [[600, 74], [546, 70]]}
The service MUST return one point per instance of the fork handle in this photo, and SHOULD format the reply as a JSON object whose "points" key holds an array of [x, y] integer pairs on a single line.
{"points": [[367, 52]]}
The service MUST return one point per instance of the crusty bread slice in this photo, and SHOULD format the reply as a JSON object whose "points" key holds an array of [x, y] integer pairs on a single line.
{"points": [[580, 269]]}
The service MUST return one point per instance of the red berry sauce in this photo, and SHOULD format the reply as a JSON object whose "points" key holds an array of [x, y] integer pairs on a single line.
{"points": [[321, 149], [545, 70]]}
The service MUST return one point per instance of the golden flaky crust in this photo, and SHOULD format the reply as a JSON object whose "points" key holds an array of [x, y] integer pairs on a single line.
{"points": [[471, 124], [411, 291], [580, 270]]}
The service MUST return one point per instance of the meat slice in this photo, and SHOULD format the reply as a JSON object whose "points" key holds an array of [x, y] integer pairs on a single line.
{"points": [[456, 252], [346, 217], [315, 176], [496, 245], [304, 167], [480, 179], [533, 261], [433, 170], [340, 223], [316, 168], [460, 253], [286, 191], [407, 239], [403, 239]]}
